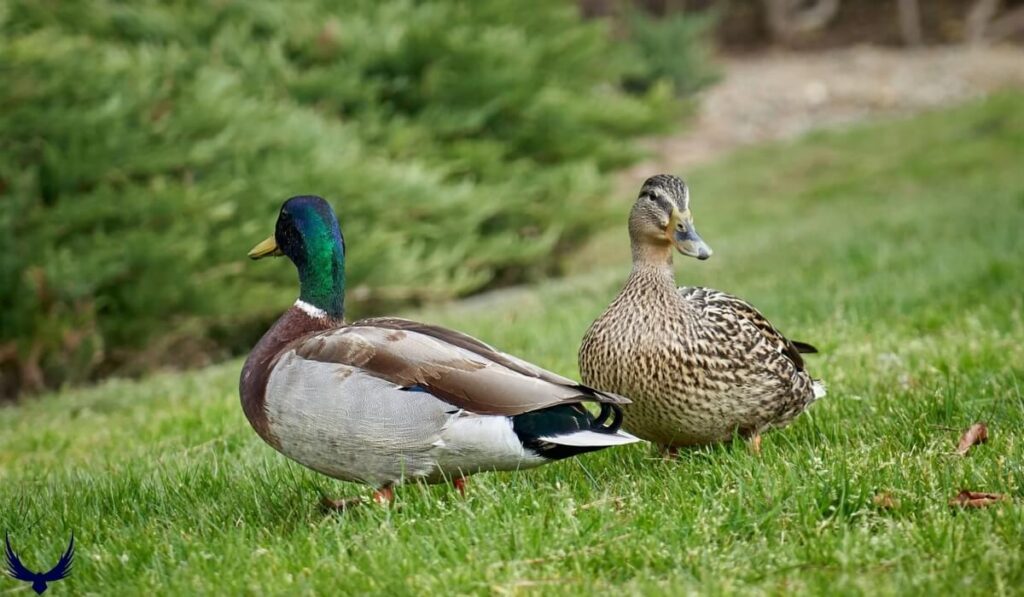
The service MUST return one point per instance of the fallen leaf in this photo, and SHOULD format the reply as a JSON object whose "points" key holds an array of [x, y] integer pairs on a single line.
{"points": [[976, 499], [885, 501], [975, 434]]}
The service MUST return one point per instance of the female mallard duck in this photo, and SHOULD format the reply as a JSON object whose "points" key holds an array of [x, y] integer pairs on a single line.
{"points": [[380, 401], [699, 365]]}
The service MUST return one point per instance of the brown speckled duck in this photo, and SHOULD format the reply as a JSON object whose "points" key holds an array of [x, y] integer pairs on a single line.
{"points": [[699, 365], [386, 400]]}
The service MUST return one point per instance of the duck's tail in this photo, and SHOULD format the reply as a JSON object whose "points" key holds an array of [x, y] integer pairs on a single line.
{"points": [[804, 347], [819, 388], [569, 429]]}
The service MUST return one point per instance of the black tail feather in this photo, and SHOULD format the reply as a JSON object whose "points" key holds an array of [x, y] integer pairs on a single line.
{"points": [[603, 415], [804, 347], [562, 420], [616, 423], [608, 410]]}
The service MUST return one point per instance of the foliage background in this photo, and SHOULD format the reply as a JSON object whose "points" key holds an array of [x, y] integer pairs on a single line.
{"points": [[145, 146], [895, 248]]}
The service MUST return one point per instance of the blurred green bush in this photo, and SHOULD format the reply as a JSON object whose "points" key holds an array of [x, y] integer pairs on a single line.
{"points": [[146, 145], [669, 48]]}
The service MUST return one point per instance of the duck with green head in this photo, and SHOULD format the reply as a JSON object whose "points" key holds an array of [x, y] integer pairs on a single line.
{"points": [[386, 400]]}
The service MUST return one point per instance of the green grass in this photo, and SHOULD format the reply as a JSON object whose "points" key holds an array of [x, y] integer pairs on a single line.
{"points": [[896, 248]]}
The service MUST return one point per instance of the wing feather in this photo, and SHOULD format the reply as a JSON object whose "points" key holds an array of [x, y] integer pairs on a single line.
{"points": [[452, 366], [738, 308], [63, 567], [467, 342], [14, 566]]}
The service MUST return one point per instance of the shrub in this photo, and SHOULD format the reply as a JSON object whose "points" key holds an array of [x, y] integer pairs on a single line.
{"points": [[146, 146], [668, 48]]}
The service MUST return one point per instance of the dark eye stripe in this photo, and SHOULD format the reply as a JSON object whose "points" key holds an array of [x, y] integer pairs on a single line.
{"points": [[664, 203]]}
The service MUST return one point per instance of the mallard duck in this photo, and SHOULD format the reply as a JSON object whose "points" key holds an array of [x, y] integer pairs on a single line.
{"points": [[386, 400], [698, 364]]}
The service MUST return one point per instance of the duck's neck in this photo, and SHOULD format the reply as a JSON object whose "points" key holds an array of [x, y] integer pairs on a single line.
{"points": [[322, 278], [652, 266]]}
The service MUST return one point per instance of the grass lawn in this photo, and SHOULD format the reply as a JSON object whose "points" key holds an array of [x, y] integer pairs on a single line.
{"points": [[897, 249]]}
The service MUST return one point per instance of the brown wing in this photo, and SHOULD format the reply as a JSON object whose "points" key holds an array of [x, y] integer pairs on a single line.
{"points": [[469, 343], [741, 309], [453, 366]]}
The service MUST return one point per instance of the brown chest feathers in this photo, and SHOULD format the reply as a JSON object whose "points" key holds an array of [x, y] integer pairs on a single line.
{"points": [[291, 326]]}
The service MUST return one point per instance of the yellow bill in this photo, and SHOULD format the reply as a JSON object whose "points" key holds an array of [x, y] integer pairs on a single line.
{"points": [[267, 248]]}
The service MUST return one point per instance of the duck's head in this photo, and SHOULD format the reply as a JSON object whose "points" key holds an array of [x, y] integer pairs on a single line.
{"points": [[307, 232], [661, 218]]}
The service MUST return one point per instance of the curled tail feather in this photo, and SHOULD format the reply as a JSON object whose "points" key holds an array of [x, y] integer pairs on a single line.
{"points": [[569, 429]]}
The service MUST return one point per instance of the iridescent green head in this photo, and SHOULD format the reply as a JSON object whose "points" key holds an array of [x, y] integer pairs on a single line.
{"points": [[308, 233]]}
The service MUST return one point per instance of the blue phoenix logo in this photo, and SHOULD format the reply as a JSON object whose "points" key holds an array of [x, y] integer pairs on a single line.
{"points": [[18, 570]]}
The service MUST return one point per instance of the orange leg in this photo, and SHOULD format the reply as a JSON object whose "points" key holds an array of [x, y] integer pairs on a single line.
{"points": [[460, 484], [755, 443], [384, 496]]}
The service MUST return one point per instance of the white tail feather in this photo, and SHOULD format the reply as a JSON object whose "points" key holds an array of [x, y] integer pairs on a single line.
{"points": [[583, 439], [819, 389]]}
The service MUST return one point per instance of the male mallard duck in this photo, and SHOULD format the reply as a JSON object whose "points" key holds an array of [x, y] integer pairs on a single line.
{"points": [[380, 401], [698, 364]]}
